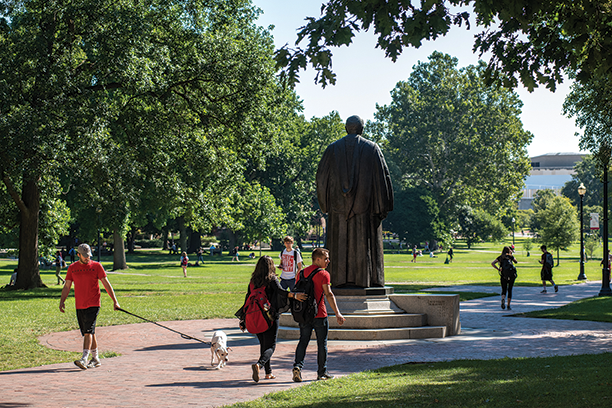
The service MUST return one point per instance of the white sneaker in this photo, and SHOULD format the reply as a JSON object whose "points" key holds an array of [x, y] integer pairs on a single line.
{"points": [[82, 364], [93, 363]]}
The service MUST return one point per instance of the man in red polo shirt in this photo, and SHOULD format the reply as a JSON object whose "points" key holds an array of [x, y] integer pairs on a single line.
{"points": [[321, 281], [85, 274]]}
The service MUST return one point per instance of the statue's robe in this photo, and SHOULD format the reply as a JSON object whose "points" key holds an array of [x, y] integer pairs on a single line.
{"points": [[354, 189]]}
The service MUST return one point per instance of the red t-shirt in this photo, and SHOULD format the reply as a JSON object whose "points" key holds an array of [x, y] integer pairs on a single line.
{"points": [[86, 287], [321, 278]]}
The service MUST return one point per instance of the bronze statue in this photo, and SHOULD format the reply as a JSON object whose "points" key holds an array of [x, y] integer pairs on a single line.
{"points": [[354, 189]]}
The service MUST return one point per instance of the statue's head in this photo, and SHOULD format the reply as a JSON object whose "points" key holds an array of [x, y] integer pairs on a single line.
{"points": [[354, 125]]}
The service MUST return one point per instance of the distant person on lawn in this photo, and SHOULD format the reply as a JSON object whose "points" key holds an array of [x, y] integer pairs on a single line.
{"points": [[291, 264], [85, 274]]}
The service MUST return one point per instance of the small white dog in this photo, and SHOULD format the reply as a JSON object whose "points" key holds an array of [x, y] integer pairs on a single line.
{"points": [[219, 349]]}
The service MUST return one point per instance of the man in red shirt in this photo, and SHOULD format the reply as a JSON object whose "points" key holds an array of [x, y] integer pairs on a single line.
{"points": [[321, 281], [85, 274]]}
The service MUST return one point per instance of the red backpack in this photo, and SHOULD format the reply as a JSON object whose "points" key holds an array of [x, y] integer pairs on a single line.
{"points": [[257, 311]]}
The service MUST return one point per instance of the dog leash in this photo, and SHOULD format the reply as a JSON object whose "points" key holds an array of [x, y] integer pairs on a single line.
{"points": [[183, 335]]}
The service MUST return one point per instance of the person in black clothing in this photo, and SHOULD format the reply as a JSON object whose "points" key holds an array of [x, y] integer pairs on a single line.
{"points": [[265, 275], [507, 276], [546, 274]]}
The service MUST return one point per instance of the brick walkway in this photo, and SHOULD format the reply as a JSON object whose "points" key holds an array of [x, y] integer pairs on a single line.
{"points": [[159, 368]]}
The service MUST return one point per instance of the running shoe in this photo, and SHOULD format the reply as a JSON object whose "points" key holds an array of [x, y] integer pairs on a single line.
{"points": [[82, 364], [94, 363]]}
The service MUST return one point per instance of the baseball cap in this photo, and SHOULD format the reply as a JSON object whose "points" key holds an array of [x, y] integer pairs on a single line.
{"points": [[84, 250]]}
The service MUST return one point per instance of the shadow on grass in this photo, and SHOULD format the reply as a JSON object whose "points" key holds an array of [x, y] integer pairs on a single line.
{"points": [[534, 382]]}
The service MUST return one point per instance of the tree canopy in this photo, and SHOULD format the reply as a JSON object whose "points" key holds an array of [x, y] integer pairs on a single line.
{"points": [[530, 41], [448, 132], [559, 225], [121, 95]]}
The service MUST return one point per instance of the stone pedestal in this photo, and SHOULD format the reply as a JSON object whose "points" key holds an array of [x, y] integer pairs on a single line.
{"points": [[378, 314], [441, 310]]}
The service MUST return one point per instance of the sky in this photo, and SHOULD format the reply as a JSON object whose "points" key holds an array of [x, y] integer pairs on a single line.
{"points": [[365, 77]]}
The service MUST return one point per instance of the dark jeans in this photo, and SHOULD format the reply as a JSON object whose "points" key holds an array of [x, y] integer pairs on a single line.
{"points": [[267, 345], [321, 328], [507, 284], [287, 283]]}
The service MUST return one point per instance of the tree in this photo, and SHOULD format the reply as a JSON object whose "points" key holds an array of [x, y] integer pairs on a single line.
{"points": [[559, 225], [527, 245], [414, 217], [587, 172], [477, 225], [291, 165], [540, 202], [528, 40], [524, 218], [462, 140], [591, 244], [261, 218], [76, 75]]}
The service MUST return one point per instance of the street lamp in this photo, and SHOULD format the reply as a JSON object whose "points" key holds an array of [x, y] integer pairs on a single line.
{"points": [[98, 210], [513, 220], [581, 192], [605, 272]]}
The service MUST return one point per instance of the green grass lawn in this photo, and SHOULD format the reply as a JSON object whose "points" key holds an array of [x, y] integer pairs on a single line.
{"points": [[598, 309], [568, 381], [154, 287]]}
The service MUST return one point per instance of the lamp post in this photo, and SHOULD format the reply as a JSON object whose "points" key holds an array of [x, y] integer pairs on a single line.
{"points": [[605, 278], [513, 220], [98, 210], [581, 192]]}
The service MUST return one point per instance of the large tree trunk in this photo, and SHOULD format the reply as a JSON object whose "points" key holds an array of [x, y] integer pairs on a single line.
{"points": [[165, 238], [118, 252], [28, 275], [183, 232], [195, 241], [131, 239]]}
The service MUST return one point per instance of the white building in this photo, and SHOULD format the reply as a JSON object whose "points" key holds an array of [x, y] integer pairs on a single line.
{"points": [[548, 171]]}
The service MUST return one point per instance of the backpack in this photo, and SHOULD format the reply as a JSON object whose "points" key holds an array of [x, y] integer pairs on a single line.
{"points": [[550, 262], [257, 311], [305, 312], [508, 270]]}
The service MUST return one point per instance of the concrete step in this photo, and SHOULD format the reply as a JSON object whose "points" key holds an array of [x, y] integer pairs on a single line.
{"points": [[357, 321], [400, 333]]}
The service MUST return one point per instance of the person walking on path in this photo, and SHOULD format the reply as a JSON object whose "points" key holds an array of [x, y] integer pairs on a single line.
{"points": [[450, 254], [265, 275], [184, 263], [235, 255], [321, 282], [85, 274], [507, 274], [59, 263], [291, 264], [546, 274]]}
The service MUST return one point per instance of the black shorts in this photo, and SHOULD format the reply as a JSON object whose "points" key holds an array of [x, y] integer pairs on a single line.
{"points": [[87, 319], [546, 274]]}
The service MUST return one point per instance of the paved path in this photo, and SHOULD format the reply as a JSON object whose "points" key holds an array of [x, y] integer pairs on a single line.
{"points": [[159, 368]]}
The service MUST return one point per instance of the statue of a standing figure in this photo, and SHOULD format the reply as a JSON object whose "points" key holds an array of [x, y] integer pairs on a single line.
{"points": [[354, 189]]}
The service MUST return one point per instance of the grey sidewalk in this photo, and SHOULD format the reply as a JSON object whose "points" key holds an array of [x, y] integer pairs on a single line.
{"points": [[159, 368]]}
